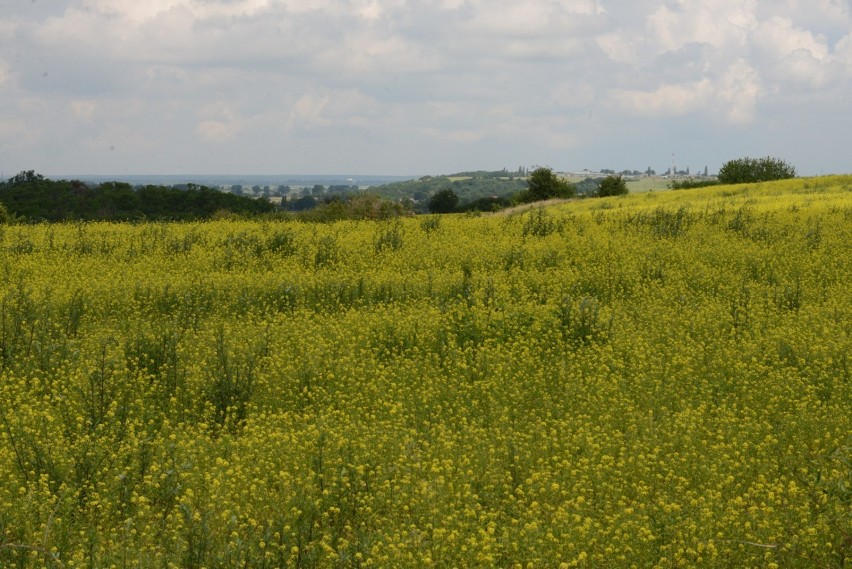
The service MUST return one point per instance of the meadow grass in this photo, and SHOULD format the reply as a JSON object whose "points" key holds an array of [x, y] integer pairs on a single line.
{"points": [[656, 380]]}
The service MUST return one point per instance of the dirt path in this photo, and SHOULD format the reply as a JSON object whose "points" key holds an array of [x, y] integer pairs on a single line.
{"points": [[528, 206]]}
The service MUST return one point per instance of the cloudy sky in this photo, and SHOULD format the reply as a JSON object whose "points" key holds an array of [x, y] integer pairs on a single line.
{"points": [[421, 86]]}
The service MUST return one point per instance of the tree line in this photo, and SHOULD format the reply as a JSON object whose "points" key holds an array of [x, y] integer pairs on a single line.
{"points": [[32, 197], [541, 184]]}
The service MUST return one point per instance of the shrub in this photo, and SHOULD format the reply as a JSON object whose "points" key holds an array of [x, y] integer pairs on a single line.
{"points": [[612, 186], [540, 223], [5, 216], [543, 184], [750, 170], [282, 242], [493, 203], [358, 206], [389, 238], [692, 184], [430, 224], [443, 201]]}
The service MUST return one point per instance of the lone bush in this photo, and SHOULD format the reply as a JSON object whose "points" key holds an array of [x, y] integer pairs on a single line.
{"points": [[543, 184], [612, 186], [444, 201], [750, 170]]}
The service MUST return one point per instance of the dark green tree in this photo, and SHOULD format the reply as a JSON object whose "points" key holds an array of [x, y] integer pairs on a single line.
{"points": [[32, 197], [5, 217], [543, 184], [444, 201], [750, 170], [612, 186]]}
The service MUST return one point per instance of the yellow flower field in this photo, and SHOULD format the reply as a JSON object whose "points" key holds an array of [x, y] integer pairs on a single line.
{"points": [[658, 380]]}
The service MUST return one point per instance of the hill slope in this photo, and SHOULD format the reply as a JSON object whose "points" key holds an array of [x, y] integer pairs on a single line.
{"points": [[659, 379]]}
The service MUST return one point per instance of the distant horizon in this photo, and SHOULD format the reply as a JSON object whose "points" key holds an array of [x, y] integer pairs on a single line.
{"points": [[284, 178], [221, 178]]}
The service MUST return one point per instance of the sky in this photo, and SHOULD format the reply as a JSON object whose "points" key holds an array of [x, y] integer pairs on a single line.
{"points": [[421, 87]]}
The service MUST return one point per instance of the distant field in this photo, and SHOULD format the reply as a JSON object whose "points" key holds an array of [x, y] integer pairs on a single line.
{"points": [[655, 380], [645, 184]]}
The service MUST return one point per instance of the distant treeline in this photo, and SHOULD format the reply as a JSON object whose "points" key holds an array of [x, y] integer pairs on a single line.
{"points": [[32, 197]]}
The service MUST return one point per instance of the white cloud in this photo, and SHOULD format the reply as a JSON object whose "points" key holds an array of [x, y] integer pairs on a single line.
{"points": [[84, 110], [666, 100], [215, 131], [15, 129], [309, 110], [375, 10], [793, 56], [723, 24], [733, 95], [455, 135], [366, 53], [133, 11], [824, 17], [5, 74], [573, 95], [739, 89], [245, 80], [619, 47], [778, 37], [843, 52]]}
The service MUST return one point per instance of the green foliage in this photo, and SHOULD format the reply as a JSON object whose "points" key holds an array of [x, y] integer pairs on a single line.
{"points": [[31, 196], [5, 217], [430, 223], [540, 223], [582, 322], [664, 223], [469, 186], [302, 203], [232, 379], [612, 186], [389, 238], [354, 206], [327, 253], [489, 204], [543, 184], [587, 187], [750, 170], [281, 242], [444, 201], [690, 184]]}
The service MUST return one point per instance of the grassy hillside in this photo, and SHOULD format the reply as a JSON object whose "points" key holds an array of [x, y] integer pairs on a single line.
{"points": [[469, 186], [660, 379]]}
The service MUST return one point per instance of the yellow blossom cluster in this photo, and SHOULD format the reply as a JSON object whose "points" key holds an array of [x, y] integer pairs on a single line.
{"points": [[656, 380]]}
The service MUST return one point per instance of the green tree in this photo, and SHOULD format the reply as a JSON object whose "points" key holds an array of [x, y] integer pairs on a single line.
{"points": [[444, 201], [750, 170], [543, 184], [612, 186], [5, 217]]}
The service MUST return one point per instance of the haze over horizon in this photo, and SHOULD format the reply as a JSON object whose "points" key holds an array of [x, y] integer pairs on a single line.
{"points": [[395, 87]]}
